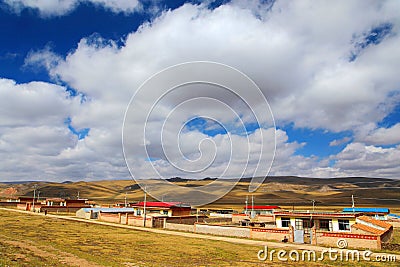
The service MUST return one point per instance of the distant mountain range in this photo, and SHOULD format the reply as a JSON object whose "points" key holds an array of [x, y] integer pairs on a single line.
{"points": [[279, 190]]}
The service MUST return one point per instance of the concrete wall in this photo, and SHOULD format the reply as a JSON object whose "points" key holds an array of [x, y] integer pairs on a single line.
{"points": [[223, 230], [180, 227], [353, 240], [186, 219]]}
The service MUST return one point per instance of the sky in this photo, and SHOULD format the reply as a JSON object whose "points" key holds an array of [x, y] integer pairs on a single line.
{"points": [[328, 69]]}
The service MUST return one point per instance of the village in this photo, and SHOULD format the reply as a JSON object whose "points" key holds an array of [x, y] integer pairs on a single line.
{"points": [[349, 227]]}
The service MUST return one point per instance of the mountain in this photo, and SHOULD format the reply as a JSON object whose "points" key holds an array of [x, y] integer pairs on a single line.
{"points": [[279, 190]]}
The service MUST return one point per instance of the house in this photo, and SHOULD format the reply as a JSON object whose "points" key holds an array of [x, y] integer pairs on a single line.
{"points": [[163, 208], [64, 205], [368, 225], [326, 221], [328, 228], [147, 214], [256, 214], [376, 213]]}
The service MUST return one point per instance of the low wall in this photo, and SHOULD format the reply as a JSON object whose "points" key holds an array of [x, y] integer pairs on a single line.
{"points": [[22, 206], [139, 221], [265, 218], [191, 219], [8, 204], [180, 227], [395, 223], [223, 230], [237, 218], [219, 215], [269, 234], [218, 220], [353, 240], [60, 208]]}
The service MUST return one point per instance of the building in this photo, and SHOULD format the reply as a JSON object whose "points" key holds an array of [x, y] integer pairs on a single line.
{"points": [[368, 225], [256, 214], [353, 229], [327, 221], [376, 213], [163, 208], [147, 214], [63, 205]]}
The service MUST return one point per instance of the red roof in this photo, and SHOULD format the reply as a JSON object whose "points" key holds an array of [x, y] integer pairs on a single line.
{"points": [[258, 207], [160, 204]]}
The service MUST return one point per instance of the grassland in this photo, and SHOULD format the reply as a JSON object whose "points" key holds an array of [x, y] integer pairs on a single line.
{"points": [[31, 240]]}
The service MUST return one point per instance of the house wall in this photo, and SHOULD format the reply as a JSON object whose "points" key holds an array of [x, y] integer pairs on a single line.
{"points": [[181, 211], [353, 240], [109, 217]]}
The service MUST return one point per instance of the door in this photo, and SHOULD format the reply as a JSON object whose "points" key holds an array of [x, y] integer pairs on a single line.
{"points": [[299, 236]]}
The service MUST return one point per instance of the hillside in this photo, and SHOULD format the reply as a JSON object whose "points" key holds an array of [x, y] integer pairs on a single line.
{"points": [[275, 190]]}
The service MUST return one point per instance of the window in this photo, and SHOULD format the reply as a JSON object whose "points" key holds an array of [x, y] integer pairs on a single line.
{"points": [[325, 225], [299, 224], [344, 225], [285, 222], [138, 212], [165, 212]]}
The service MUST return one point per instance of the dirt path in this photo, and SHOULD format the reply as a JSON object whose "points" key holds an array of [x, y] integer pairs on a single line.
{"points": [[260, 243]]}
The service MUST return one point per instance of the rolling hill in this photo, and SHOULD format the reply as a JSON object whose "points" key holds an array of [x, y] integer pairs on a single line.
{"points": [[285, 191]]}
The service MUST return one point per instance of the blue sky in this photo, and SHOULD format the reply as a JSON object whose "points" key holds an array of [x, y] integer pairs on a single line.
{"points": [[330, 77]]}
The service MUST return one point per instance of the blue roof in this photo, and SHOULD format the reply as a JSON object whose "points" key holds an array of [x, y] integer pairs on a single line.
{"points": [[112, 210], [394, 215], [377, 210]]}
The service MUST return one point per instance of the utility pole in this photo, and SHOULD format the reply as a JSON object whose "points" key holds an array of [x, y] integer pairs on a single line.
{"points": [[352, 202], [34, 196], [144, 207], [126, 204], [77, 197], [252, 206], [38, 196], [313, 205], [246, 203]]}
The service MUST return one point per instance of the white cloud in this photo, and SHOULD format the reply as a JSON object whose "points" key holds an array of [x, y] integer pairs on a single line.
{"points": [[297, 53], [362, 160], [383, 136], [48, 8], [338, 142]]}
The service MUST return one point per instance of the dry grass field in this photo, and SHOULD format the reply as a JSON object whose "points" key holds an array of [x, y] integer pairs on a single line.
{"points": [[31, 240]]}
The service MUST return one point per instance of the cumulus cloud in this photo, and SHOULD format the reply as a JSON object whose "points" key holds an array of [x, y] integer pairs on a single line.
{"points": [[366, 160], [49, 8], [380, 136], [297, 52]]}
